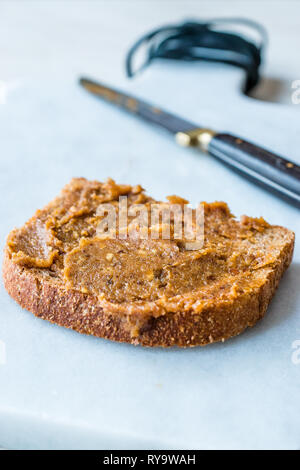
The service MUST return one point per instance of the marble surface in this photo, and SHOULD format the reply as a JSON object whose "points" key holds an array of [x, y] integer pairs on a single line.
{"points": [[60, 389]]}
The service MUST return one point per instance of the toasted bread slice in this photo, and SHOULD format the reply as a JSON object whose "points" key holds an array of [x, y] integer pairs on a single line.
{"points": [[152, 292]]}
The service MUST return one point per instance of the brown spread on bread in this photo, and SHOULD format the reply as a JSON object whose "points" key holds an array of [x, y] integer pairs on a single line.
{"points": [[139, 278]]}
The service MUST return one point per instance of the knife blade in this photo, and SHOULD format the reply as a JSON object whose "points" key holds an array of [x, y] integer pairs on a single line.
{"points": [[168, 121], [271, 171]]}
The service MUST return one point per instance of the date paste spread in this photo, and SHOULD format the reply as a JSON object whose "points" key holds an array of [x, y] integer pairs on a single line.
{"points": [[132, 270]]}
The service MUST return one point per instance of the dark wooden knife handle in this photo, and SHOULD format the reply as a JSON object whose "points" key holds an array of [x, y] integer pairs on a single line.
{"points": [[267, 168]]}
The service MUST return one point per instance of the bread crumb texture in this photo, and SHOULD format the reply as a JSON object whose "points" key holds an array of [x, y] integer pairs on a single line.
{"points": [[152, 292]]}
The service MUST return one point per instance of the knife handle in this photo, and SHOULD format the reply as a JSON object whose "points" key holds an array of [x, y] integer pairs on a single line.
{"points": [[266, 168]]}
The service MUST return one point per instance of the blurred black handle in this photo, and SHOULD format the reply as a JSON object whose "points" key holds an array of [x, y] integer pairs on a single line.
{"points": [[266, 168]]}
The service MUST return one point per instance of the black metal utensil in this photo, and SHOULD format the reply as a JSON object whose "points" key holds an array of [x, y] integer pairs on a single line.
{"points": [[269, 170]]}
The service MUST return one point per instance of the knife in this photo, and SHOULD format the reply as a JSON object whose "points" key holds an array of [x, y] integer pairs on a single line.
{"points": [[267, 169]]}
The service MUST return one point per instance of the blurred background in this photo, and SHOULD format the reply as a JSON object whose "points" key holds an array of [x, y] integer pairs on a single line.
{"points": [[52, 130], [59, 37]]}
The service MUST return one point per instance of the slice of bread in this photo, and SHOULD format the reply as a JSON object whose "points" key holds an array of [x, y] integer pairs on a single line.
{"points": [[152, 292]]}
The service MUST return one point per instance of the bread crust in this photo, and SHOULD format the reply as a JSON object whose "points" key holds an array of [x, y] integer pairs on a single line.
{"points": [[81, 312]]}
